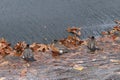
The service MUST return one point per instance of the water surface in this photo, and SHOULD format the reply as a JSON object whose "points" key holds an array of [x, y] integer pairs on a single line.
{"points": [[34, 20]]}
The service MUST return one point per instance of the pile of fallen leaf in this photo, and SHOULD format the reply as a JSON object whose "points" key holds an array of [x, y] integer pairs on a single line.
{"points": [[5, 47], [71, 41], [37, 47], [114, 33], [19, 48]]}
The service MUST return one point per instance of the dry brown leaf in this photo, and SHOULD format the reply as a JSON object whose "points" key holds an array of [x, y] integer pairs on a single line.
{"points": [[79, 33], [23, 72], [36, 47], [54, 50], [4, 63], [5, 47], [3, 40], [116, 28], [117, 21], [2, 78], [74, 30], [85, 42], [78, 67], [104, 57], [114, 61], [19, 48], [71, 41], [104, 33], [42, 47], [80, 62], [94, 60], [104, 67], [114, 37], [81, 43]]}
